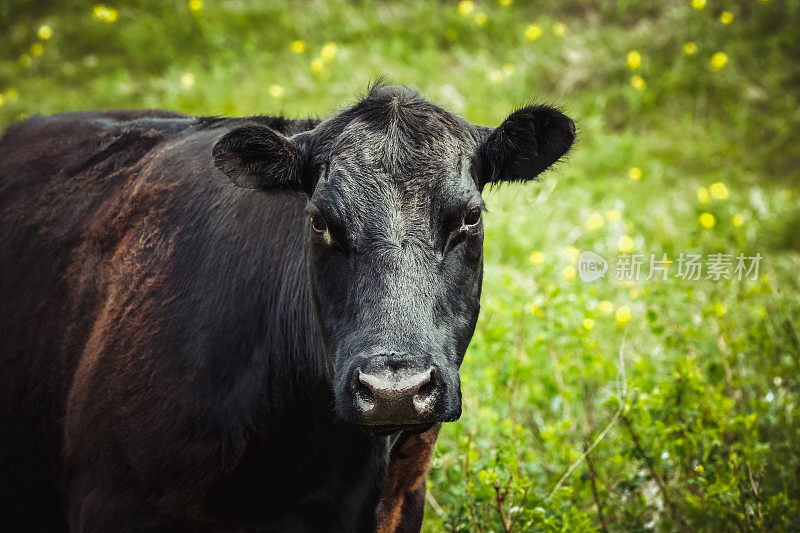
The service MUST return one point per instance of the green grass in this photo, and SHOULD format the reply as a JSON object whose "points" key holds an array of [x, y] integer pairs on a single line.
{"points": [[708, 435]]}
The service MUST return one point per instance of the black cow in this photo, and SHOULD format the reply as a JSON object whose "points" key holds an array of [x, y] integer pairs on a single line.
{"points": [[179, 353]]}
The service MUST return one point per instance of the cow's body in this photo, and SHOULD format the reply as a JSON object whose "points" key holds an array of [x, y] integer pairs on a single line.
{"points": [[162, 362], [241, 324]]}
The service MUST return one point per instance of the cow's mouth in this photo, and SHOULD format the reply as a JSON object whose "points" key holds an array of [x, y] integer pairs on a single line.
{"points": [[387, 429]]}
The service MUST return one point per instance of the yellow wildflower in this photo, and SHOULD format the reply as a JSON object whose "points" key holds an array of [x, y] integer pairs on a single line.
{"points": [[719, 191], [37, 50], [480, 18], [613, 215], [606, 307], [634, 60], [533, 32], [559, 28], [536, 258], [44, 32], [196, 6], [595, 221], [537, 311], [466, 7], [568, 273], [690, 48], [634, 293], [702, 195], [623, 314], [504, 3], [275, 91], [508, 69], [572, 253], [707, 220], [638, 83], [635, 173], [317, 64], [588, 324], [297, 47], [328, 51], [105, 14], [11, 94], [187, 80], [737, 220], [625, 244], [2, 100], [718, 60], [720, 309], [726, 17], [698, 4]]}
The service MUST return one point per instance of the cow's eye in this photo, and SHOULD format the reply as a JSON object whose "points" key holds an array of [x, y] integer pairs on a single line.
{"points": [[318, 225], [473, 216]]}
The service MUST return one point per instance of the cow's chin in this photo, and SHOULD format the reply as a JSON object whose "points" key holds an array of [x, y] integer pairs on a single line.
{"points": [[389, 429]]}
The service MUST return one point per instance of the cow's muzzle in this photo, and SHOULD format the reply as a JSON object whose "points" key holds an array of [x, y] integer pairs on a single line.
{"points": [[390, 392]]}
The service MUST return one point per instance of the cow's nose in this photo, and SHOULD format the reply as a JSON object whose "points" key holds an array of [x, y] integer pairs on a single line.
{"points": [[396, 396]]}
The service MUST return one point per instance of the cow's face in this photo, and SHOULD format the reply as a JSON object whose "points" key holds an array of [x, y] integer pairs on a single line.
{"points": [[395, 238]]}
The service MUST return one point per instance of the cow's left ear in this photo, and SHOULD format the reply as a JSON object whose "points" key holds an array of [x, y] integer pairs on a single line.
{"points": [[257, 157], [524, 145]]}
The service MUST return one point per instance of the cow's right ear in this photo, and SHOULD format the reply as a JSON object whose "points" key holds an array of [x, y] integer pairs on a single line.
{"points": [[529, 141], [257, 157]]}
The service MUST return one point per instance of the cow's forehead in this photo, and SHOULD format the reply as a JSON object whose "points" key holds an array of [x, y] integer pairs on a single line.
{"points": [[394, 152], [398, 131], [402, 157], [360, 189], [401, 167]]}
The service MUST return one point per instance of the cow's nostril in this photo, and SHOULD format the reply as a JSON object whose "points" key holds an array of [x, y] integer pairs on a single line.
{"points": [[365, 399], [426, 388], [425, 396]]}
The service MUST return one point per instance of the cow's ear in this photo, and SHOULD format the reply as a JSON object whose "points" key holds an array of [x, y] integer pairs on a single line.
{"points": [[257, 157], [524, 145]]}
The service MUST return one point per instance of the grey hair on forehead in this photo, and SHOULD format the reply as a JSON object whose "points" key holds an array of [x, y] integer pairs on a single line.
{"points": [[398, 127]]}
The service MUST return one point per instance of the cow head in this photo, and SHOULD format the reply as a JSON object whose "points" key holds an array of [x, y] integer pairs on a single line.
{"points": [[395, 238]]}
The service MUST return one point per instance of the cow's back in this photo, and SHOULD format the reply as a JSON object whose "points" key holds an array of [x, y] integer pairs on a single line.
{"points": [[49, 203], [126, 263]]}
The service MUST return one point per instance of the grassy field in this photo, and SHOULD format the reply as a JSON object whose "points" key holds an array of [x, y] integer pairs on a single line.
{"points": [[686, 392]]}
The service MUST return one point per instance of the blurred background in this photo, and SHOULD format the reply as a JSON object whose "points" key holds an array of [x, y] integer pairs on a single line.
{"points": [[685, 392]]}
